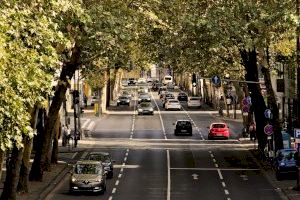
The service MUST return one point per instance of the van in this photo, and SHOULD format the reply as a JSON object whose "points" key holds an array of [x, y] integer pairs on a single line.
{"points": [[167, 79]]}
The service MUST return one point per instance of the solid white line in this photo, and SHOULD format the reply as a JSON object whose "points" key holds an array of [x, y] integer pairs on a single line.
{"points": [[117, 182], [123, 164], [74, 155], [110, 198], [114, 190], [169, 177], [220, 174], [160, 117], [85, 123], [226, 192], [120, 176], [223, 184]]}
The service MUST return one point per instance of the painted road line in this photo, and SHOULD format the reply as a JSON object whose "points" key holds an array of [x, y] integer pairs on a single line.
{"points": [[125, 159], [91, 126], [85, 123], [117, 182], [220, 174], [126, 154], [226, 192], [214, 160], [83, 156], [160, 117], [110, 198], [214, 169], [169, 177], [74, 155], [223, 184], [216, 165], [122, 169], [120, 176], [114, 190]]}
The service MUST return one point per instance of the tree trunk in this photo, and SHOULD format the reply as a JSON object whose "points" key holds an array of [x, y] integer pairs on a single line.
{"points": [[108, 87], [25, 166], [249, 61], [2, 156], [57, 134], [68, 70], [13, 164]]}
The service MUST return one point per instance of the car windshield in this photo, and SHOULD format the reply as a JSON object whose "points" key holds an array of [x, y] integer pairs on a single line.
{"points": [[173, 101], [123, 97], [99, 157], [87, 169], [218, 126], [145, 105], [183, 123]]}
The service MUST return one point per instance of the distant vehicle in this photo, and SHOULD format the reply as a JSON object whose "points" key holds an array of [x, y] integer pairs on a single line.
{"points": [[149, 80], [161, 89], [144, 97], [167, 79], [143, 90], [123, 100], [88, 176], [194, 102], [156, 86], [182, 96], [106, 161], [125, 93], [218, 130], [166, 97], [131, 81], [94, 100], [183, 127], [285, 163], [141, 81], [145, 108], [124, 82], [172, 104]]}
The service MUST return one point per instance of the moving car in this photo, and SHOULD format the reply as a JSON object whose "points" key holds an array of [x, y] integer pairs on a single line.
{"points": [[285, 163], [125, 93], [194, 102], [106, 161], [145, 108], [182, 96], [88, 176], [123, 100], [218, 130], [167, 79], [172, 104], [183, 127], [166, 97], [161, 89], [144, 97]]}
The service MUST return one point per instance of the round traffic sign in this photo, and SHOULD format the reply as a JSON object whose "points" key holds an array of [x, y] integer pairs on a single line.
{"points": [[268, 129], [216, 80], [246, 109]]}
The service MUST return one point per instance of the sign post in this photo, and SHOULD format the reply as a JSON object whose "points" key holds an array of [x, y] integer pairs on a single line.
{"points": [[268, 129]]}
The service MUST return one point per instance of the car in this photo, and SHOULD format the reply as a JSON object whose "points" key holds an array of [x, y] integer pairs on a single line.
{"points": [[143, 90], [88, 176], [94, 100], [145, 108], [285, 163], [172, 104], [144, 97], [183, 127], [125, 93], [123, 100], [194, 102], [131, 81], [161, 89], [218, 130], [182, 96], [156, 86], [124, 82], [106, 161], [166, 97], [141, 81]]}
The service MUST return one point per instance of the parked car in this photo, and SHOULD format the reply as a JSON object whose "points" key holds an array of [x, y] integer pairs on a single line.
{"points": [[106, 161], [285, 163], [144, 97], [218, 130], [123, 100], [145, 108], [172, 104], [182, 96], [194, 102], [183, 127], [94, 100], [88, 176]]}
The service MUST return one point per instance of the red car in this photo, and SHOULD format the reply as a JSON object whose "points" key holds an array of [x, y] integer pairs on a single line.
{"points": [[218, 130]]}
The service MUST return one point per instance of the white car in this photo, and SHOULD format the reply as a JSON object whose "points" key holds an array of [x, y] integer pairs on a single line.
{"points": [[172, 104], [194, 102]]}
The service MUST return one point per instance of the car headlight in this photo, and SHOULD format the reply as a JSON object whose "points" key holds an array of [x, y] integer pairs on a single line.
{"points": [[148, 99], [127, 100], [73, 179], [151, 109], [140, 110], [118, 101], [140, 99], [282, 164]]}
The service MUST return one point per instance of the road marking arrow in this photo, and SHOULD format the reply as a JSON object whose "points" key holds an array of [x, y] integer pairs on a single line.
{"points": [[195, 176]]}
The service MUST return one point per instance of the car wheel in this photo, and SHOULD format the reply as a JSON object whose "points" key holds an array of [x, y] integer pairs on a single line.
{"points": [[175, 133], [118, 104], [209, 137]]}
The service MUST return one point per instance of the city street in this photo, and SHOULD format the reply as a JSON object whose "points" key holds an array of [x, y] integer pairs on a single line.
{"points": [[151, 163]]}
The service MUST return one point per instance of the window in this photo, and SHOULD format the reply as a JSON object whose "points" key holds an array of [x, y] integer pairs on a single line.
{"points": [[218, 126]]}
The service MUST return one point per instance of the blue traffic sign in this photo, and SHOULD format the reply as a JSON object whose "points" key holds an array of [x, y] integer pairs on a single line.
{"points": [[268, 114], [216, 80]]}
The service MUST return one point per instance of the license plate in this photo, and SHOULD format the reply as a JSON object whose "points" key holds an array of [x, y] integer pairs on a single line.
{"points": [[183, 131]]}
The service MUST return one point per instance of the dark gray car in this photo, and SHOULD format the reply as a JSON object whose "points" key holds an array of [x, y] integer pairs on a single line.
{"points": [[106, 161], [145, 108]]}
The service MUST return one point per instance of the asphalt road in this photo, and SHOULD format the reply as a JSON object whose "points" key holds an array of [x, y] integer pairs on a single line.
{"points": [[152, 163]]}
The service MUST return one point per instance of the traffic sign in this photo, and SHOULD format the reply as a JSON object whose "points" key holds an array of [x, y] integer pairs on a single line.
{"points": [[246, 109], [216, 80], [268, 129], [297, 132], [268, 114]]}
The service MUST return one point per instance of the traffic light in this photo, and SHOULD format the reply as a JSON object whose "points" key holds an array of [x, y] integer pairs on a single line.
{"points": [[75, 97], [194, 79]]}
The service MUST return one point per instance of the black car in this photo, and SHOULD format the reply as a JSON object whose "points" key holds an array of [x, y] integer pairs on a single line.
{"points": [[183, 127], [285, 163], [131, 81], [106, 161], [182, 96], [123, 100]]}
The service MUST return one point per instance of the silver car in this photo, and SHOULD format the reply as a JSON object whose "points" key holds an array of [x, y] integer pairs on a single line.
{"points": [[145, 108], [88, 176]]}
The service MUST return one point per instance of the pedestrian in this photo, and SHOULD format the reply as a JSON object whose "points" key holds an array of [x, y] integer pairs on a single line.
{"points": [[221, 106], [252, 131]]}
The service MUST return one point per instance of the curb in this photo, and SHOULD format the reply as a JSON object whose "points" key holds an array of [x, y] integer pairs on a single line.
{"points": [[52, 184]]}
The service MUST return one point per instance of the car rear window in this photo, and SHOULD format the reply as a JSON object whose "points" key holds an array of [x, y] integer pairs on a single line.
{"points": [[184, 123], [194, 99], [173, 101], [218, 126]]}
